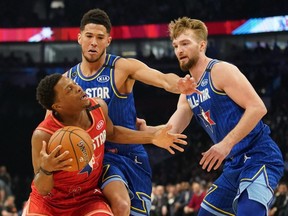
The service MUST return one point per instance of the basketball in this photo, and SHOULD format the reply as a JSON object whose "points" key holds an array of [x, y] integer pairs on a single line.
{"points": [[77, 141]]}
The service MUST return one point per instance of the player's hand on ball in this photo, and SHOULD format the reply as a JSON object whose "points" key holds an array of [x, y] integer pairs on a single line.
{"points": [[169, 141], [54, 161]]}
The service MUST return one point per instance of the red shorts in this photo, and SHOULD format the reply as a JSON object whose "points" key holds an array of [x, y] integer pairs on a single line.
{"points": [[93, 207]]}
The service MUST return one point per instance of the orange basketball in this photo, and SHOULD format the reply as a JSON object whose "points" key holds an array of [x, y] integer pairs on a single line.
{"points": [[77, 141]]}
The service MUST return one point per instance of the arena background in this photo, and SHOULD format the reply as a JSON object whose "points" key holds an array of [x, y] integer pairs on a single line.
{"points": [[261, 55]]}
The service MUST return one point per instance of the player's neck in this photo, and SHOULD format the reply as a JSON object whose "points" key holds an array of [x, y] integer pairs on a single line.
{"points": [[80, 120], [198, 70], [89, 69]]}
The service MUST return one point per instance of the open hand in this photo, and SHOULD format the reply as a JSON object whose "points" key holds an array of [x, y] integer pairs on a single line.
{"points": [[165, 139], [214, 157], [187, 85]]}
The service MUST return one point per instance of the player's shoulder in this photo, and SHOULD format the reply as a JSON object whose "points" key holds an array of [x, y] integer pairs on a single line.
{"points": [[65, 74], [102, 103], [221, 63], [40, 131], [99, 101], [71, 72], [41, 134], [224, 66], [127, 62]]}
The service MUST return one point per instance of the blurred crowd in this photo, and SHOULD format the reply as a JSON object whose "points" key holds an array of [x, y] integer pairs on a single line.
{"points": [[173, 199], [7, 198], [184, 198], [31, 13], [267, 69]]}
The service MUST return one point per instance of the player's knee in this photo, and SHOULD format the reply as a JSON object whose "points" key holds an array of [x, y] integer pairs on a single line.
{"points": [[247, 206], [121, 207], [256, 209]]}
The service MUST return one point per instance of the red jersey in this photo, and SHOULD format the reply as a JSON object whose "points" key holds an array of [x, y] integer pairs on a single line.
{"points": [[74, 189]]}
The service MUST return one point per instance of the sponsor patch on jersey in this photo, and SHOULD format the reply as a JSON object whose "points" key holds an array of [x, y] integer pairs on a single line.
{"points": [[74, 74], [204, 82], [103, 78], [99, 125]]}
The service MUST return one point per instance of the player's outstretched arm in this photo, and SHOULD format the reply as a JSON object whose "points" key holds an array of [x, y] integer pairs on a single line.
{"points": [[182, 116], [160, 137], [167, 140], [171, 82]]}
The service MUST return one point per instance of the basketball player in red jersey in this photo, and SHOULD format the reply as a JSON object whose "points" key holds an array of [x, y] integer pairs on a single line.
{"points": [[55, 190]]}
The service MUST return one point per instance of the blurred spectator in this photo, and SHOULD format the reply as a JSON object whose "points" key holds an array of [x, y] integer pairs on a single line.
{"points": [[159, 202], [194, 204], [20, 211], [280, 204], [183, 198], [172, 192], [9, 207], [5, 176], [3, 194]]}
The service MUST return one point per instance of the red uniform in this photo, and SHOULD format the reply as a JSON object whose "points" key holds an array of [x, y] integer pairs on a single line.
{"points": [[74, 193]]}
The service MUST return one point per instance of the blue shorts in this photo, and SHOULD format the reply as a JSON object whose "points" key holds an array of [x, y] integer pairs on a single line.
{"points": [[258, 171], [134, 171]]}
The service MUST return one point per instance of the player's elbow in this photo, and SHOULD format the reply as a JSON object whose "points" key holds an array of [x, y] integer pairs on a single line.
{"points": [[263, 110], [44, 191], [260, 110], [111, 138], [42, 187], [111, 135]]}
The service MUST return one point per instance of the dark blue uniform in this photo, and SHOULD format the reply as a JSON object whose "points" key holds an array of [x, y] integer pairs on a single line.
{"points": [[255, 159], [127, 163]]}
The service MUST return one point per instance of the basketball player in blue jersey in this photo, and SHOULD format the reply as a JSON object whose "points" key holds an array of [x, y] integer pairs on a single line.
{"points": [[230, 111], [126, 180]]}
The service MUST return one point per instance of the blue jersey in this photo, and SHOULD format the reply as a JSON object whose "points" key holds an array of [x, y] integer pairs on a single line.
{"points": [[255, 164], [121, 107], [218, 114], [126, 163]]}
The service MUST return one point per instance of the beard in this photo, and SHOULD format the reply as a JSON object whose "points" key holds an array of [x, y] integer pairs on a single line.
{"points": [[191, 63], [91, 60]]}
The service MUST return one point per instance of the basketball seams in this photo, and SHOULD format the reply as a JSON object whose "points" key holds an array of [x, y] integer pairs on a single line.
{"points": [[77, 141], [88, 149], [73, 148], [91, 150], [59, 133]]}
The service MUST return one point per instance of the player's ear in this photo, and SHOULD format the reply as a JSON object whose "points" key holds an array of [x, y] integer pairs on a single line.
{"points": [[109, 39], [203, 45], [56, 106], [79, 38]]}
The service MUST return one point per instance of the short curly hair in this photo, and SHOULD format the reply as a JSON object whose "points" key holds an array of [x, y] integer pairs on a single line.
{"points": [[180, 25], [96, 16], [45, 93]]}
